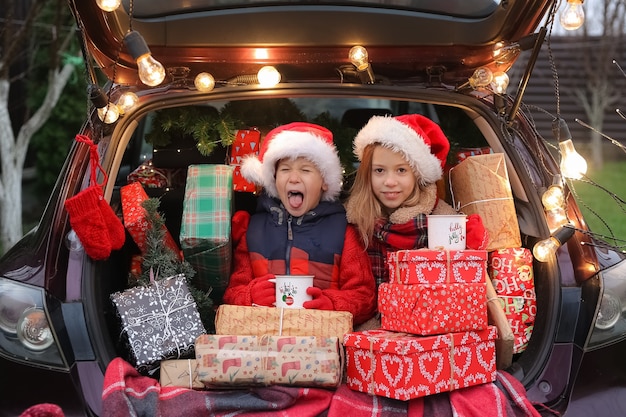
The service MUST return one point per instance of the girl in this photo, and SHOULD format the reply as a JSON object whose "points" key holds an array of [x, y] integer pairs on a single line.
{"points": [[395, 187]]}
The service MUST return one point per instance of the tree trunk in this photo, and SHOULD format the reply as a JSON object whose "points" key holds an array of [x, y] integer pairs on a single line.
{"points": [[13, 153]]}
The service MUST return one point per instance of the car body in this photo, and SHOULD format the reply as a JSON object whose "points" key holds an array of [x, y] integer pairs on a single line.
{"points": [[424, 57]]}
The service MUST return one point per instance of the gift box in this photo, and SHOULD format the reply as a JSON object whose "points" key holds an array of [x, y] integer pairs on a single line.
{"points": [[247, 142], [259, 321], [150, 176], [132, 195], [205, 227], [235, 360], [480, 185], [427, 309], [511, 272], [434, 291], [180, 373], [426, 266], [403, 366], [159, 321]]}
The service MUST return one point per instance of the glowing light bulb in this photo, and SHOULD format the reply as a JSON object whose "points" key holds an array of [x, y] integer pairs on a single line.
{"points": [[500, 82], [545, 250], [204, 82], [127, 101], [482, 77], [151, 71], [554, 197], [359, 58], [268, 76], [109, 114], [573, 16], [108, 5], [556, 218], [573, 165]]}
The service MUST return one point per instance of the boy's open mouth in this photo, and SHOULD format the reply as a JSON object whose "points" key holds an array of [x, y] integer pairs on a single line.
{"points": [[295, 198]]}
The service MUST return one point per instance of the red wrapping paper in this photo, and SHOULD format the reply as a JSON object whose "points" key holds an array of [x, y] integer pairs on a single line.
{"points": [[135, 217], [246, 142], [511, 272], [403, 366]]}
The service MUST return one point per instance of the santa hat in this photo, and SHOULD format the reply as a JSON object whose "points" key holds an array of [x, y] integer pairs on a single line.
{"points": [[294, 140], [420, 140]]}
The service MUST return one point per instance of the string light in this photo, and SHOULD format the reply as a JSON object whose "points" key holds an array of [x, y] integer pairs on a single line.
{"points": [[108, 5], [204, 82], [500, 82], [151, 71], [268, 76], [545, 250], [573, 165], [359, 57], [573, 16], [482, 77], [126, 102], [107, 111]]}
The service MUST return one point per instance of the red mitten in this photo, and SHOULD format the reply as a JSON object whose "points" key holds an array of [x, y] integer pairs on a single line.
{"points": [[87, 221], [116, 230], [319, 301], [477, 236], [43, 410], [263, 291]]}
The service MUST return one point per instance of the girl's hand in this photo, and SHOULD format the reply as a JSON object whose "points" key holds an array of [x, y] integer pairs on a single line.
{"points": [[319, 301]]}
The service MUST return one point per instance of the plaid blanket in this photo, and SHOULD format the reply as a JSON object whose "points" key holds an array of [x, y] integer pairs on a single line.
{"points": [[127, 393]]}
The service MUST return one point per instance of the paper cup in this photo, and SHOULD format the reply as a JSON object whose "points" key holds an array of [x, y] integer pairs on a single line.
{"points": [[291, 290], [446, 232]]}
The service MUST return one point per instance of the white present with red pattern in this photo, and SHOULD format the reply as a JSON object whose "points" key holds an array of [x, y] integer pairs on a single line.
{"points": [[404, 366]]}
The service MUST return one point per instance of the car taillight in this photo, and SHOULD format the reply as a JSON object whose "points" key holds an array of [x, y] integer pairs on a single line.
{"points": [[25, 331], [610, 320]]}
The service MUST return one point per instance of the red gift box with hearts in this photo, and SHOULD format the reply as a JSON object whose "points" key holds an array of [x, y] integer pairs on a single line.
{"points": [[425, 266], [247, 142], [428, 309], [404, 366], [242, 360], [434, 291], [511, 272]]}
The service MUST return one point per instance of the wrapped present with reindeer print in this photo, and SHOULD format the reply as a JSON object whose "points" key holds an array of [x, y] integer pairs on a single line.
{"points": [[434, 291], [205, 227], [404, 366], [158, 321], [236, 360]]}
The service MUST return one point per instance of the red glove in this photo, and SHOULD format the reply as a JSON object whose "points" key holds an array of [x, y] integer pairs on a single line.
{"points": [[263, 291], [477, 236], [319, 301]]}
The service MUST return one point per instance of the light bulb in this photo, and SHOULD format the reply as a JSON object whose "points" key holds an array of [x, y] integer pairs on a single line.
{"points": [[268, 76], [500, 82], [204, 82], [359, 58], [127, 101], [544, 250], [553, 197], [109, 114], [151, 72], [108, 5], [573, 165], [482, 77], [573, 16], [556, 218]]}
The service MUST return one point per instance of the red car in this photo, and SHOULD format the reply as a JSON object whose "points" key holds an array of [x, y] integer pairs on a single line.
{"points": [[265, 63]]}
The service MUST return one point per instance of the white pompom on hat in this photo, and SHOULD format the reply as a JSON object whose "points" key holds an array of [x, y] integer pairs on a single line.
{"points": [[420, 140], [294, 140]]}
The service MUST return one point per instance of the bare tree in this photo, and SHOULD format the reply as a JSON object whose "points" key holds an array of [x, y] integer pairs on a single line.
{"points": [[595, 87], [16, 30]]}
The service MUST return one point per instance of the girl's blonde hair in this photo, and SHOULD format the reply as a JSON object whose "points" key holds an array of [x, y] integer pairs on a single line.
{"points": [[368, 208]]}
